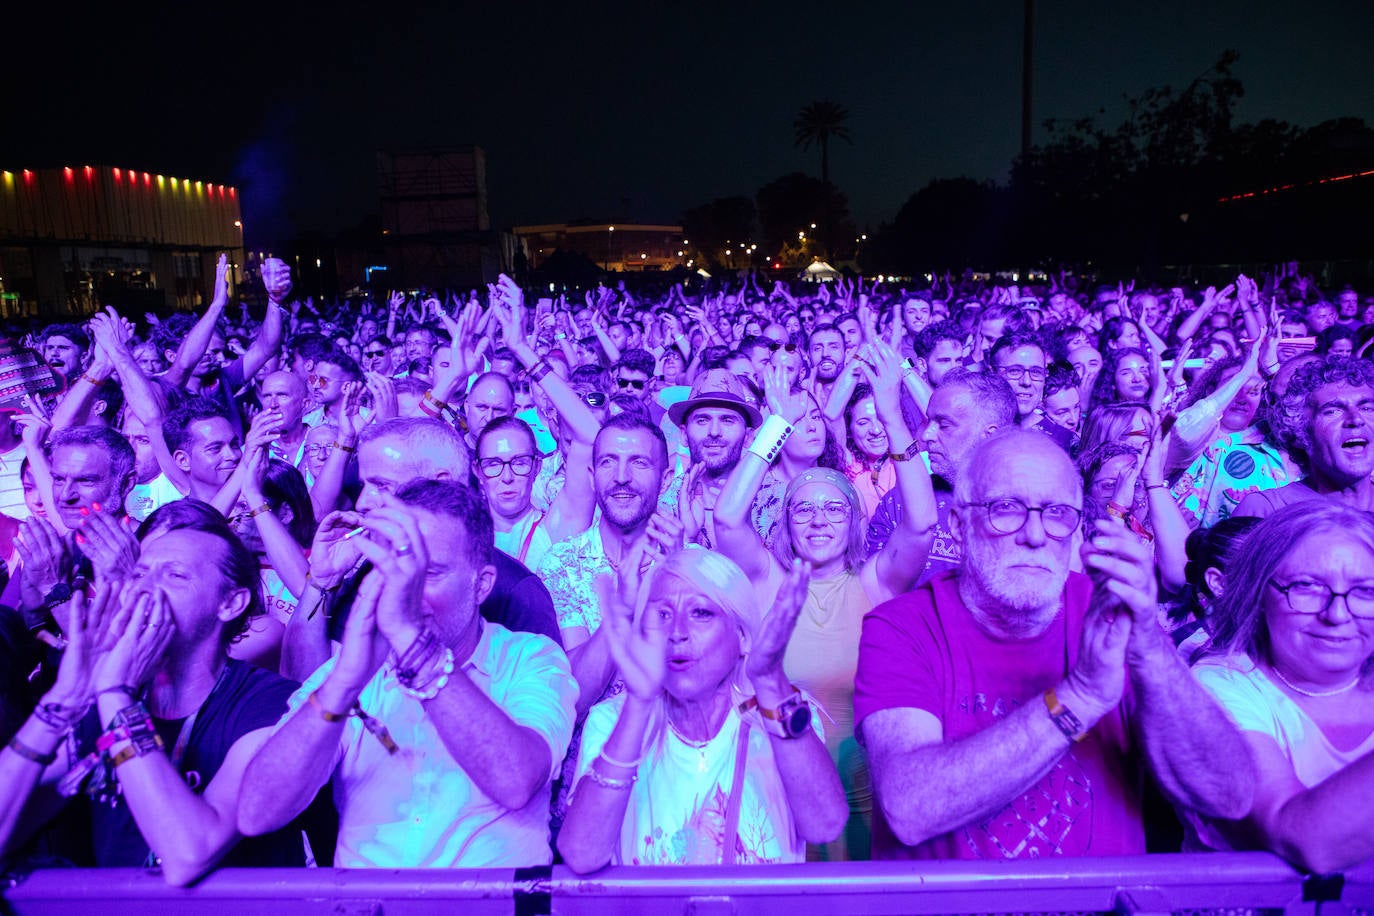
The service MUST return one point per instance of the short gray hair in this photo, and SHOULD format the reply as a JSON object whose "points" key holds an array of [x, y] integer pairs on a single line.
{"points": [[990, 392], [435, 445]]}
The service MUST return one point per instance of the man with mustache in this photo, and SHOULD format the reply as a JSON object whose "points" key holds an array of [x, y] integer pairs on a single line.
{"points": [[66, 349], [827, 351]]}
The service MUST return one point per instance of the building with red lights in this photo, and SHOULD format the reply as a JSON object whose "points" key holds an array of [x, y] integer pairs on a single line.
{"points": [[74, 239]]}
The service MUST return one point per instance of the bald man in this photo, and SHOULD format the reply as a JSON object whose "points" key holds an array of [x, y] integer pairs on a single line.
{"points": [[285, 393], [990, 699]]}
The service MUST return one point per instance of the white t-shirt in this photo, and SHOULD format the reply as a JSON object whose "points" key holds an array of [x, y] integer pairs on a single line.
{"points": [[676, 812], [1256, 704], [276, 597], [145, 498], [11, 486], [513, 541], [418, 808]]}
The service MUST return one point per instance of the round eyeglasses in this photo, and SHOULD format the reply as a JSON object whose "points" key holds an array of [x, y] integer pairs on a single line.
{"points": [[1008, 516], [803, 513]]}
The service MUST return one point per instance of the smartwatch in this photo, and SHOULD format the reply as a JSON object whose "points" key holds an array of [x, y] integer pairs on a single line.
{"points": [[791, 719]]}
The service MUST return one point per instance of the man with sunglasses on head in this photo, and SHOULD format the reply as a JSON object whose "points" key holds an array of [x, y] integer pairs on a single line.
{"points": [[993, 700]]}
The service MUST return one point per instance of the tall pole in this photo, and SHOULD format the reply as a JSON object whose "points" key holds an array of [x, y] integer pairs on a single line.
{"points": [[1026, 45]]}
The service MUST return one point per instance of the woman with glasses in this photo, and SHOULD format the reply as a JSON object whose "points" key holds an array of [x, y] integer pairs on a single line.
{"points": [[1292, 663], [824, 524], [710, 755]]}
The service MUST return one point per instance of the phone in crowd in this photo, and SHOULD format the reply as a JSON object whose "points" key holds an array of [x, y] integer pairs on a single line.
{"points": [[1187, 363]]}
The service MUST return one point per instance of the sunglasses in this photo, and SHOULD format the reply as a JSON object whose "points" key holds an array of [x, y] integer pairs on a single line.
{"points": [[374, 353], [594, 399], [627, 383], [788, 347]]}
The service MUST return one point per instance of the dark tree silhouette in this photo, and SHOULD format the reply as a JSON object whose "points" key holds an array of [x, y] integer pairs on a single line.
{"points": [[817, 123]]}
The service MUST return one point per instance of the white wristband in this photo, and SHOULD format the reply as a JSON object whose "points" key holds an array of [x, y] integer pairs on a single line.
{"points": [[769, 439]]}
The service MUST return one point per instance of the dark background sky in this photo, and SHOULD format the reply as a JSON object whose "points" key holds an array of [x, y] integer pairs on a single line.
{"points": [[622, 110]]}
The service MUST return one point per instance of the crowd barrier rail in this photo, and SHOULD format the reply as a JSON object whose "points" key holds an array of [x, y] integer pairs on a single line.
{"points": [[1131, 886]]}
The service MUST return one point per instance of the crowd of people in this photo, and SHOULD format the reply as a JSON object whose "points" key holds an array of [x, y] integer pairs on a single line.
{"points": [[728, 574]]}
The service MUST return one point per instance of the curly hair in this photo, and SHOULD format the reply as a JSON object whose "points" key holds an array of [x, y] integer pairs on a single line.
{"points": [[1290, 418]]}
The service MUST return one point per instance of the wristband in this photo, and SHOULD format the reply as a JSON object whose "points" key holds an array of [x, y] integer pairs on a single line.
{"points": [[912, 451], [1115, 510], [433, 401], [768, 441], [1156, 486], [1063, 718], [260, 510], [97, 382], [58, 717], [343, 448], [31, 755], [325, 714], [539, 370], [623, 764]]}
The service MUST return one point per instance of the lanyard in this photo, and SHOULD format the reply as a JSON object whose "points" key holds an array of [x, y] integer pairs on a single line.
{"points": [[184, 736]]}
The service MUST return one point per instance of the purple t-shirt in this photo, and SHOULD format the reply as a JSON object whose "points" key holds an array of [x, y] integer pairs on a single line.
{"points": [[923, 650]]}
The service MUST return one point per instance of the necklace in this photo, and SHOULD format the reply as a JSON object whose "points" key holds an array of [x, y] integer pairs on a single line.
{"points": [[1314, 693], [698, 746]]}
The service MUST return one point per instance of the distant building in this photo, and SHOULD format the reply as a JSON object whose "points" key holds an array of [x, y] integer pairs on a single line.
{"points": [[435, 228], [74, 239], [613, 246]]}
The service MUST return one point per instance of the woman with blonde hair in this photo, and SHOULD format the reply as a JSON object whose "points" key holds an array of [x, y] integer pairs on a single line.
{"points": [[710, 755]]}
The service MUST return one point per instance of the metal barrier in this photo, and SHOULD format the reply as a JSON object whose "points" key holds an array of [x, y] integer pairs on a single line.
{"points": [[1157, 884]]}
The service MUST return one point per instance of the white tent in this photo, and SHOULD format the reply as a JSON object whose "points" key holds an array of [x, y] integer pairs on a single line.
{"points": [[819, 272]]}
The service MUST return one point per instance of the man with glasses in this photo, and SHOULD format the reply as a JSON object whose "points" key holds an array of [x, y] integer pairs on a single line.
{"points": [[991, 698], [1020, 359], [327, 383]]}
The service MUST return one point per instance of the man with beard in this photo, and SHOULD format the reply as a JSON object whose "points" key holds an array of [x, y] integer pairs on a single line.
{"points": [[629, 474], [990, 699], [967, 408], [715, 420], [826, 351]]}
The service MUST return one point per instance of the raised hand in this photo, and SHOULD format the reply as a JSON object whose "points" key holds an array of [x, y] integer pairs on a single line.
{"points": [[397, 549], [780, 398], [221, 297], [363, 648], [44, 556], [334, 552], [143, 628], [770, 643], [84, 628], [383, 391], [108, 542], [1119, 562], [665, 533], [637, 638], [276, 279]]}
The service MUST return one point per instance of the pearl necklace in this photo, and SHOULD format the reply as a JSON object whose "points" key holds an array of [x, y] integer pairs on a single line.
{"points": [[1314, 693]]}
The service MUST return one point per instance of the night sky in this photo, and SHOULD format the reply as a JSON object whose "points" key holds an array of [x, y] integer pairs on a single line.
{"points": [[617, 110]]}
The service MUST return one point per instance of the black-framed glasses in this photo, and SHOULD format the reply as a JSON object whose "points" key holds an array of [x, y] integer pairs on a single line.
{"points": [[1008, 516], [626, 384], [520, 466], [834, 511], [319, 451], [1307, 597], [1016, 373]]}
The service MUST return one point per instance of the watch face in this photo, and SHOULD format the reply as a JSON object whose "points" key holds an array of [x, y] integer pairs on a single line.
{"points": [[797, 720]]}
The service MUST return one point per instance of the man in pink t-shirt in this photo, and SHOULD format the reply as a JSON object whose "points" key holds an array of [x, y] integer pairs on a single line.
{"points": [[994, 700]]}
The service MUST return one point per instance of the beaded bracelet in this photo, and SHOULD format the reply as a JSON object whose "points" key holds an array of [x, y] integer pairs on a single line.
{"points": [[608, 782], [432, 691]]}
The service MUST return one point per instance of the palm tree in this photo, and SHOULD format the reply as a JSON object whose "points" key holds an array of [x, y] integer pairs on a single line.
{"points": [[817, 123]]}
